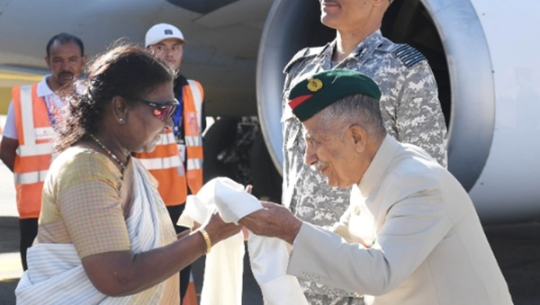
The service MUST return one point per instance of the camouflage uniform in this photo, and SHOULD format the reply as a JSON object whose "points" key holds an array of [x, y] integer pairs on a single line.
{"points": [[411, 113]]}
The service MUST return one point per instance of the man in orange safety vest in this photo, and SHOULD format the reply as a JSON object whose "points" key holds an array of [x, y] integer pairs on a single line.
{"points": [[26, 147]]}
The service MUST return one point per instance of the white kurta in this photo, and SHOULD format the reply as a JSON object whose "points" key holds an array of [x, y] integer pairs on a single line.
{"points": [[413, 237]]}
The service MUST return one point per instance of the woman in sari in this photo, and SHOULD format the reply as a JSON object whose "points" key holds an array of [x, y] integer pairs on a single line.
{"points": [[104, 234]]}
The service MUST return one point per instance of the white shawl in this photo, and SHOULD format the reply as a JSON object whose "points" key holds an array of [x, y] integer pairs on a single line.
{"points": [[56, 275], [224, 264]]}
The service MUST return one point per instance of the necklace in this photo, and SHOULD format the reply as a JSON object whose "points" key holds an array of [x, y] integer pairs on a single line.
{"points": [[110, 153]]}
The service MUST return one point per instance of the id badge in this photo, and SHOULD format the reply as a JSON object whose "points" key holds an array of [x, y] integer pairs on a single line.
{"points": [[182, 152], [44, 133]]}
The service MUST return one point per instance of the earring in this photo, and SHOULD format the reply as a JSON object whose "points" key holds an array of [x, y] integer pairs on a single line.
{"points": [[121, 120]]}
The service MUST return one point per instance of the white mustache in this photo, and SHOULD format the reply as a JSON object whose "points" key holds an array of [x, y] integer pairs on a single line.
{"points": [[318, 166]]}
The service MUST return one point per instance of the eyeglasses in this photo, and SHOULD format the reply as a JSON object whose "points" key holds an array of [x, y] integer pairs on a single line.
{"points": [[162, 110]]}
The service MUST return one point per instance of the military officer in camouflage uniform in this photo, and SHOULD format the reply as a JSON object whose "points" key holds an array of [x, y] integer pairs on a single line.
{"points": [[410, 108]]}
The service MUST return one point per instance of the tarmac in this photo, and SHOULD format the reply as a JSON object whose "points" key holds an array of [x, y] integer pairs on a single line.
{"points": [[516, 247]]}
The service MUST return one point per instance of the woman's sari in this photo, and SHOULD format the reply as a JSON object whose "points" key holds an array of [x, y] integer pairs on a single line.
{"points": [[56, 275]]}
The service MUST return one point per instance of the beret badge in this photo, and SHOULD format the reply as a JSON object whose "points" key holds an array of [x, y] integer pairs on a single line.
{"points": [[314, 84]]}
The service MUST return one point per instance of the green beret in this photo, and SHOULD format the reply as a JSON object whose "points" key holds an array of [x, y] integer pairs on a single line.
{"points": [[315, 93]]}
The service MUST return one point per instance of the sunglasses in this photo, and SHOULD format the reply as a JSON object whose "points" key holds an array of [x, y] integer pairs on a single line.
{"points": [[163, 111]]}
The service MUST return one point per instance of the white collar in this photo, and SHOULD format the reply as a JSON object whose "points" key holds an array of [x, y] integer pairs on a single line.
{"points": [[43, 88]]}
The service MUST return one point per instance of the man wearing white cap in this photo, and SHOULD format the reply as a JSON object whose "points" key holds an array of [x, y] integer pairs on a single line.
{"points": [[176, 162]]}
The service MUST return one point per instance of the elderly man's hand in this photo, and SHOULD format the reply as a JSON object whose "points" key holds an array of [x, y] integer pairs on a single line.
{"points": [[274, 221]]}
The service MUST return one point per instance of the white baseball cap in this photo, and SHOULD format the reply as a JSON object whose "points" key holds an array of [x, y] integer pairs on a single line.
{"points": [[162, 31]]}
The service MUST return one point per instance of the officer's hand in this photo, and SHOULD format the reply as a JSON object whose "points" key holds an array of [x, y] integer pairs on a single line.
{"points": [[273, 220]]}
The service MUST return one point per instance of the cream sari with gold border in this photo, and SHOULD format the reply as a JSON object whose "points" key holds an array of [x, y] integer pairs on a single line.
{"points": [[56, 275]]}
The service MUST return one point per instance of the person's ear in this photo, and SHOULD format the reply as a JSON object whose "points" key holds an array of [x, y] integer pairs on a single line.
{"points": [[48, 61], [359, 136], [83, 61], [120, 109]]}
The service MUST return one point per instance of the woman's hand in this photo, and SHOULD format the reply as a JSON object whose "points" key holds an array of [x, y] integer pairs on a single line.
{"points": [[219, 230], [196, 225]]}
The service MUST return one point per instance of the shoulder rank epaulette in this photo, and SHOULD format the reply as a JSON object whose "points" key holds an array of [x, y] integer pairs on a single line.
{"points": [[408, 55], [302, 54]]}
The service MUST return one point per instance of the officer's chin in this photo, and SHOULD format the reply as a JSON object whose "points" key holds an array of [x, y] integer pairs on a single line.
{"points": [[331, 182], [338, 183], [345, 185]]}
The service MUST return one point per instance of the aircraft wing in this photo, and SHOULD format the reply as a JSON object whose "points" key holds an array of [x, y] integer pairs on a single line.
{"points": [[222, 40]]}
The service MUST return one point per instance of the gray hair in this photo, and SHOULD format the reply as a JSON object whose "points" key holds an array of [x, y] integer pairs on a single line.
{"points": [[355, 109]]}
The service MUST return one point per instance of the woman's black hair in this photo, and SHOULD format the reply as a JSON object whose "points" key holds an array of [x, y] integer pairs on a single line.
{"points": [[127, 71]]}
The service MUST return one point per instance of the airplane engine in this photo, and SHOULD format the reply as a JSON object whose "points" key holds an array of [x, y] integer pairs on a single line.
{"points": [[483, 58]]}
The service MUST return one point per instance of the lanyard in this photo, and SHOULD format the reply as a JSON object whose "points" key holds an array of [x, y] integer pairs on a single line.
{"points": [[177, 118], [51, 109]]}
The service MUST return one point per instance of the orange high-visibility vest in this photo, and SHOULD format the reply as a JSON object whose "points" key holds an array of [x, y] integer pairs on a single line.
{"points": [[164, 162], [34, 154]]}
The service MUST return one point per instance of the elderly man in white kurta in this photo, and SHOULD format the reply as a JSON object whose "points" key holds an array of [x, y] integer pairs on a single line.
{"points": [[410, 235]]}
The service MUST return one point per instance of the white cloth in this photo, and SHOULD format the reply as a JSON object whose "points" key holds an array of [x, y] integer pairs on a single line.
{"points": [[56, 275], [268, 256], [224, 264]]}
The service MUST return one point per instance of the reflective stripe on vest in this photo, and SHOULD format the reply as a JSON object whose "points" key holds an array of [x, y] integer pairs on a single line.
{"points": [[161, 163], [27, 115], [197, 99], [31, 177], [195, 163], [193, 141], [34, 150], [194, 148]]}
